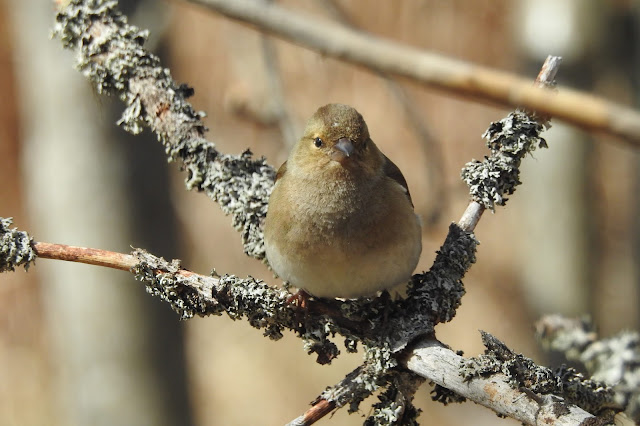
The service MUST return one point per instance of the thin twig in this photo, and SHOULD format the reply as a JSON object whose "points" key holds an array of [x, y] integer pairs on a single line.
{"points": [[90, 256], [93, 256], [471, 216], [548, 72], [450, 75], [318, 410], [275, 87]]}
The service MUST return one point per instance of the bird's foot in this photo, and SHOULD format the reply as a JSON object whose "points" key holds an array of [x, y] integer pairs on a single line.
{"points": [[299, 299], [300, 302]]}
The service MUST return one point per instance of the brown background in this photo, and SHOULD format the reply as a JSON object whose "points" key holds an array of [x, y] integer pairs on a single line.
{"points": [[79, 349]]}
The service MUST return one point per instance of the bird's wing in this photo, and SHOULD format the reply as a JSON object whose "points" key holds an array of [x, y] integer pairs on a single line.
{"points": [[282, 170], [392, 171]]}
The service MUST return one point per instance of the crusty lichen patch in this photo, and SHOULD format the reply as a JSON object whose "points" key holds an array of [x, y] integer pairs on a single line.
{"points": [[509, 140], [15, 247], [590, 395]]}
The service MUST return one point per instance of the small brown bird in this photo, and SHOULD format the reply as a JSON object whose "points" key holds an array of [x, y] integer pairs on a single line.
{"points": [[340, 221]]}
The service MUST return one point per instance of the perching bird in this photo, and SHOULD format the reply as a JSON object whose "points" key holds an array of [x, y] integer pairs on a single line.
{"points": [[340, 220]]}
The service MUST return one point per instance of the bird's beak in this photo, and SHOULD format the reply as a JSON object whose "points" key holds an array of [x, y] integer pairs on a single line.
{"points": [[341, 150]]}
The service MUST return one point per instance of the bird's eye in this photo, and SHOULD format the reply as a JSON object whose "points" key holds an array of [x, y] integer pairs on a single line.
{"points": [[317, 142]]}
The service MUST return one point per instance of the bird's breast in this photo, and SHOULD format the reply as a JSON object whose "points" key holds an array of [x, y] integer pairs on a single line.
{"points": [[333, 240]]}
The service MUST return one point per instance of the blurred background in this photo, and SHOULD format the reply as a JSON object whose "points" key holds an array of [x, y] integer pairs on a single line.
{"points": [[82, 345]]}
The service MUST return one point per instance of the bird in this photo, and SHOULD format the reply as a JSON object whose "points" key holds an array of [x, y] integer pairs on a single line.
{"points": [[340, 221]]}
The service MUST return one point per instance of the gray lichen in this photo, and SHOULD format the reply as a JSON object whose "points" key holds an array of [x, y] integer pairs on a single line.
{"points": [[446, 396], [110, 53], [615, 361], [441, 289], [162, 280], [15, 247], [590, 395], [395, 403], [358, 385], [509, 140], [434, 296], [191, 294]]}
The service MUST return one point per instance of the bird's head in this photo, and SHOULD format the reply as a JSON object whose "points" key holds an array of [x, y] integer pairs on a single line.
{"points": [[337, 137]]}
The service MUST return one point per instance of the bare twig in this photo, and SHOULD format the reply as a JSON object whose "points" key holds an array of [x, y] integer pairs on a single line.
{"points": [[471, 216], [90, 256], [274, 83], [549, 70], [318, 410], [450, 75]]}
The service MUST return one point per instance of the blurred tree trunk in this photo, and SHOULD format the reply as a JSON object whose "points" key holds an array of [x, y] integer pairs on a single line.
{"points": [[24, 368], [554, 205], [106, 344], [577, 254], [615, 178]]}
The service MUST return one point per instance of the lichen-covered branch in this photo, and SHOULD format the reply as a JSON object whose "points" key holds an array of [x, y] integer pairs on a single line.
{"points": [[394, 406], [524, 373], [509, 140], [111, 55], [382, 326], [498, 174], [512, 385], [434, 297], [615, 361], [490, 380]]}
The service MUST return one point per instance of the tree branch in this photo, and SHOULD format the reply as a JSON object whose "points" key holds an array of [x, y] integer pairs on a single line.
{"points": [[450, 75], [110, 54], [510, 140], [615, 361], [267, 308], [499, 391]]}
